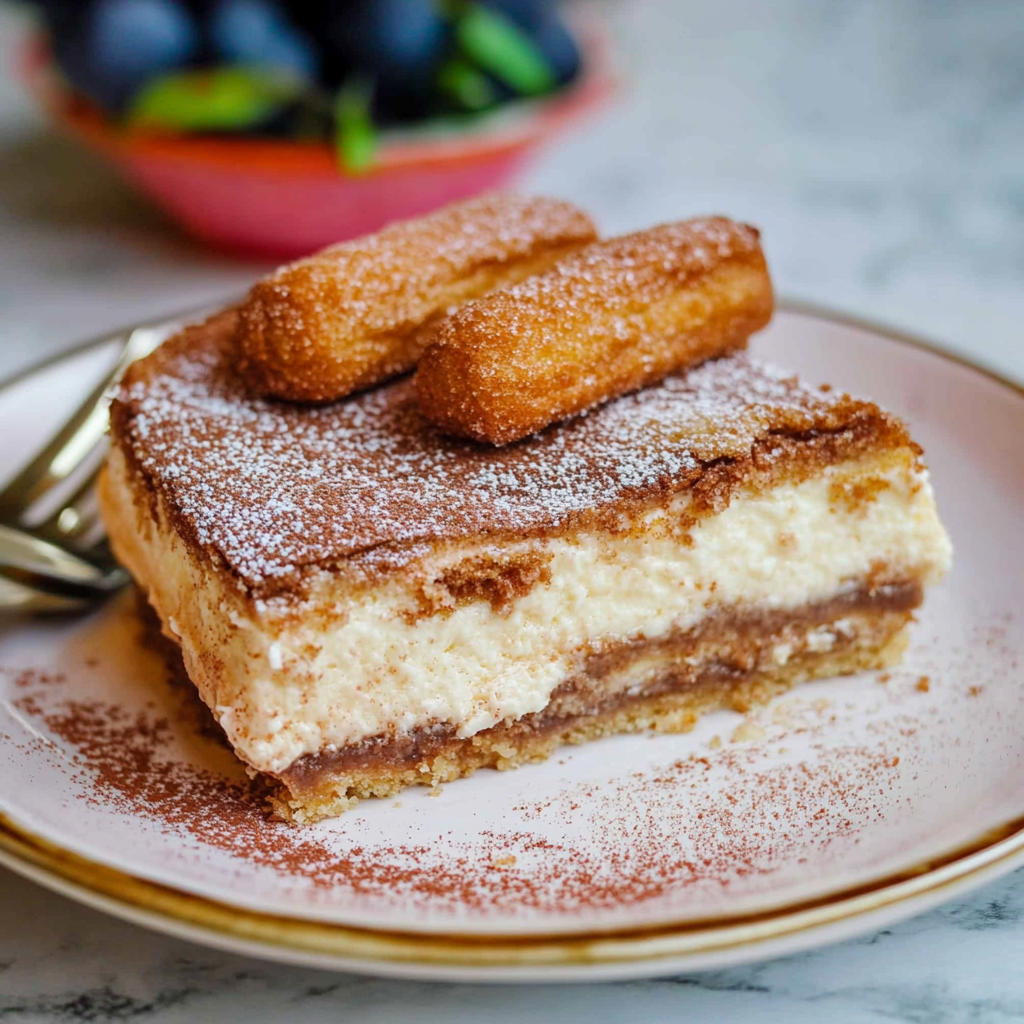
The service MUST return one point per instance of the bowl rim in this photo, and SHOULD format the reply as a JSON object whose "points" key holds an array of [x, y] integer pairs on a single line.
{"points": [[534, 121]]}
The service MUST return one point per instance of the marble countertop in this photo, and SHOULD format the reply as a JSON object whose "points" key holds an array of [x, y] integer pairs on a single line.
{"points": [[61, 962], [880, 146]]}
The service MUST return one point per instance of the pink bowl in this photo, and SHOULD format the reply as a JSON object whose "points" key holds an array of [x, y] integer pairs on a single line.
{"points": [[281, 199]]}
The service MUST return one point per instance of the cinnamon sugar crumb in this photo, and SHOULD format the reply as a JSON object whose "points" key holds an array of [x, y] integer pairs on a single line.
{"points": [[924, 684], [499, 580], [853, 495]]}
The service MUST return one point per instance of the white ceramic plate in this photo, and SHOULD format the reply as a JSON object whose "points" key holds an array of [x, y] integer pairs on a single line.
{"points": [[847, 804]]}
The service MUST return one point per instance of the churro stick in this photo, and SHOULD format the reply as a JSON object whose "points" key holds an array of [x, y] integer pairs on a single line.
{"points": [[362, 311], [614, 317]]}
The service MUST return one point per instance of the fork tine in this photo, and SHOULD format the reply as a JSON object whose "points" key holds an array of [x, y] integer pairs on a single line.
{"points": [[28, 562], [20, 599], [73, 518], [76, 439], [61, 560], [58, 586]]}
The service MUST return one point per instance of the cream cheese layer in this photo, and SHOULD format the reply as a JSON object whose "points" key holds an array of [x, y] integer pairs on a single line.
{"points": [[366, 662]]}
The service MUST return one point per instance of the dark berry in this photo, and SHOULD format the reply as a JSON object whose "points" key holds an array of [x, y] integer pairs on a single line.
{"points": [[527, 14], [57, 9], [259, 32], [396, 44], [113, 46], [558, 47]]}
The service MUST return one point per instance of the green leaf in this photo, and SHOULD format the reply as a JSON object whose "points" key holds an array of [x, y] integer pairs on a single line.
{"points": [[467, 86], [355, 138], [217, 99], [499, 46]]}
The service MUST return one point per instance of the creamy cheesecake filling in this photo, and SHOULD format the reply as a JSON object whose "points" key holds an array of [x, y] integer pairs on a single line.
{"points": [[729, 660], [284, 685]]}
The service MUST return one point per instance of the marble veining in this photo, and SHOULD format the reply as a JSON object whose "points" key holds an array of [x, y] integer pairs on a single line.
{"points": [[62, 962], [881, 147]]}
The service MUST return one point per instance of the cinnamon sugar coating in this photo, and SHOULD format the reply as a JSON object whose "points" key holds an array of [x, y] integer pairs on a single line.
{"points": [[617, 316], [360, 312], [270, 492]]}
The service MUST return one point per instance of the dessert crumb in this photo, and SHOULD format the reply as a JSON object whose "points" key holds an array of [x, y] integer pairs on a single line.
{"points": [[884, 678], [506, 861], [974, 691], [397, 805], [434, 790], [747, 732], [785, 714], [924, 684], [716, 742]]}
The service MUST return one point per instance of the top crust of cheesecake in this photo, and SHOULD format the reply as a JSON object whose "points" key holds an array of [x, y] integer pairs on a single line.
{"points": [[270, 492]]}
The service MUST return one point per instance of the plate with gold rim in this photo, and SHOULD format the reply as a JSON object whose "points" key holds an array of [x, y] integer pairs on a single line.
{"points": [[844, 805]]}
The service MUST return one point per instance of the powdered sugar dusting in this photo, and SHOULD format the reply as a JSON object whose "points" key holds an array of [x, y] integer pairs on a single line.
{"points": [[640, 266], [276, 488]]}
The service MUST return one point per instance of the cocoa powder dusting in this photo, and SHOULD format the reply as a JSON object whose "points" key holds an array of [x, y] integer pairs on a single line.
{"points": [[125, 760], [674, 831], [273, 490]]}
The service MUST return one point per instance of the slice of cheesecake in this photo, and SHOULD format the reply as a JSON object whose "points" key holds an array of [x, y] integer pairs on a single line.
{"points": [[365, 604]]}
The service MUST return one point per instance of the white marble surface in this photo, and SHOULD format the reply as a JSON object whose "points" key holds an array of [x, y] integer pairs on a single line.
{"points": [[881, 147]]}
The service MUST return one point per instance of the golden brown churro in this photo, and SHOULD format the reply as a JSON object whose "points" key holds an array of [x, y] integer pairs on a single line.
{"points": [[362, 311], [614, 317]]}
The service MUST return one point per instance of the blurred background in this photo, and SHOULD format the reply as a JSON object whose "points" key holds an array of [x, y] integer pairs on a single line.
{"points": [[157, 155]]}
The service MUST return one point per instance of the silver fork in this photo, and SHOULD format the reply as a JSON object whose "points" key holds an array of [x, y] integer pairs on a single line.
{"points": [[54, 555]]}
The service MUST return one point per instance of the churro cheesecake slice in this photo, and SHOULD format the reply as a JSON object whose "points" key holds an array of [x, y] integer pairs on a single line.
{"points": [[366, 604]]}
